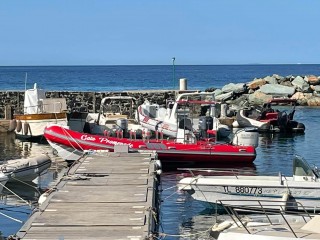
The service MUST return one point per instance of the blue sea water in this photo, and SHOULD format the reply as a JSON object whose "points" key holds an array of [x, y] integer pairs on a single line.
{"points": [[181, 217], [124, 78]]}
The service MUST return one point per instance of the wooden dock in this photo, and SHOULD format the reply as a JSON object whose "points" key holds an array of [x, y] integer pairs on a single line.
{"points": [[102, 196]]}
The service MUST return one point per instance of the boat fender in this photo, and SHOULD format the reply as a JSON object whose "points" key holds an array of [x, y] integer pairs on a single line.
{"points": [[235, 124], [284, 200], [219, 227], [12, 125], [43, 198], [26, 127], [19, 126], [158, 164]]}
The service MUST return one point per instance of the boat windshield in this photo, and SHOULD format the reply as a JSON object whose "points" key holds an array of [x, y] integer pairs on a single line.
{"points": [[302, 168]]}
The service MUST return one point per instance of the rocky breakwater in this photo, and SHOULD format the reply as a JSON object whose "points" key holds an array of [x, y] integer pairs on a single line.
{"points": [[80, 101], [305, 89]]}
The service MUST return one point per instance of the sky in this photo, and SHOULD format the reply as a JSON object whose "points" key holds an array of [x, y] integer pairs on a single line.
{"points": [[152, 32]]}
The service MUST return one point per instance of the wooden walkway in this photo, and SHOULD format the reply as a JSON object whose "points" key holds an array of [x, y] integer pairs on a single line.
{"points": [[103, 196]]}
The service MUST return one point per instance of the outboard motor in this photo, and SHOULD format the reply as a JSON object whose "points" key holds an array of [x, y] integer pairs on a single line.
{"points": [[246, 137], [122, 124], [205, 123]]}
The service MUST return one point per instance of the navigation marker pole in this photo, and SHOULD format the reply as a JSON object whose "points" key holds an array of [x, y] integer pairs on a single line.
{"points": [[173, 72]]}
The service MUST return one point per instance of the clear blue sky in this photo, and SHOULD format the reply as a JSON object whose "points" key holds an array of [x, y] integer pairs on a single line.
{"points": [[122, 32]]}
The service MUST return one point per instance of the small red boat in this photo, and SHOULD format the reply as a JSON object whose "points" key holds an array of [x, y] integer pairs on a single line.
{"points": [[70, 144]]}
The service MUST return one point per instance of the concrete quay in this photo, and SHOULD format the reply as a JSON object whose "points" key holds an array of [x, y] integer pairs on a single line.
{"points": [[109, 195]]}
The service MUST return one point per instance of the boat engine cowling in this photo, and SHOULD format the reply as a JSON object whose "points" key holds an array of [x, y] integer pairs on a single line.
{"points": [[246, 137], [205, 123], [122, 124]]}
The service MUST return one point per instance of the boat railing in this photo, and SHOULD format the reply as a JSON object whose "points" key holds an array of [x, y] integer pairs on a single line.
{"points": [[266, 208], [50, 105], [220, 171]]}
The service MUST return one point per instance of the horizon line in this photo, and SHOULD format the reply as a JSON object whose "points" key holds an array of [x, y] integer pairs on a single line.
{"points": [[91, 65]]}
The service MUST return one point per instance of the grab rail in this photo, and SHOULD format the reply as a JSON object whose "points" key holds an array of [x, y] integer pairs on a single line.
{"points": [[261, 207]]}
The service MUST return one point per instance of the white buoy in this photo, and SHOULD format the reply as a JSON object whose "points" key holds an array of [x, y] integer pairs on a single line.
{"points": [[183, 84], [224, 109]]}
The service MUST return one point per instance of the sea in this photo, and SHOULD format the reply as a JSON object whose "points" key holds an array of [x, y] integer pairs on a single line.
{"points": [[181, 217]]}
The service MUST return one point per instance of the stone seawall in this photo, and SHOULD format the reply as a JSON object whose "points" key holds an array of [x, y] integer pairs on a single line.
{"points": [[82, 101]]}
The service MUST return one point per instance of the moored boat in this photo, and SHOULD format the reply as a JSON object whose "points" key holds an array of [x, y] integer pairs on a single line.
{"points": [[25, 169], [115, 113], [38, 112], [270, 119], [183, 150], [263, 223], [192, 109], [303, 188]]}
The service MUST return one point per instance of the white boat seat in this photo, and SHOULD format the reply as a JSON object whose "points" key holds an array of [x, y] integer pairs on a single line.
{"points": [[313, 225]]}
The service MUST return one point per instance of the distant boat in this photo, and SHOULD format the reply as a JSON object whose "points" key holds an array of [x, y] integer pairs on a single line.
{"points": [[269, 119], [25, 169], [38, 112], [116, 113], [197, 110]]}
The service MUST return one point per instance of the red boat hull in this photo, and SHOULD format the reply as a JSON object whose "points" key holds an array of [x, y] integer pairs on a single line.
{"points": [[168, 151]]}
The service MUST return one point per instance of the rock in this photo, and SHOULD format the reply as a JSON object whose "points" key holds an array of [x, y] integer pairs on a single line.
{"points": [[301, 98], [212, 89], [259, 98], [301, 84], [315, 101], [312, 79], [277, 90], [271, 80], [224, 97], [240, 101], [217, 92], [256, 83], [231, 87], [315, 88]]}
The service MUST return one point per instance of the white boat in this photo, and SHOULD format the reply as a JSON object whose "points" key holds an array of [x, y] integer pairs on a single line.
{"points": [[25, 169], [38, 112], [301, 188], [269, 119], [195, 110], [117, 115], [263, 224]]}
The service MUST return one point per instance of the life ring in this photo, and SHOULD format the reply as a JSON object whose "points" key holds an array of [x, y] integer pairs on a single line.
{"points": [[19, 126], [12, 125]]}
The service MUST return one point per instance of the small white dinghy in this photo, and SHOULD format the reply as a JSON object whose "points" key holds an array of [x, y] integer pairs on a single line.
{"points": [[303, 188], [265, 224], [25, 169]]}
